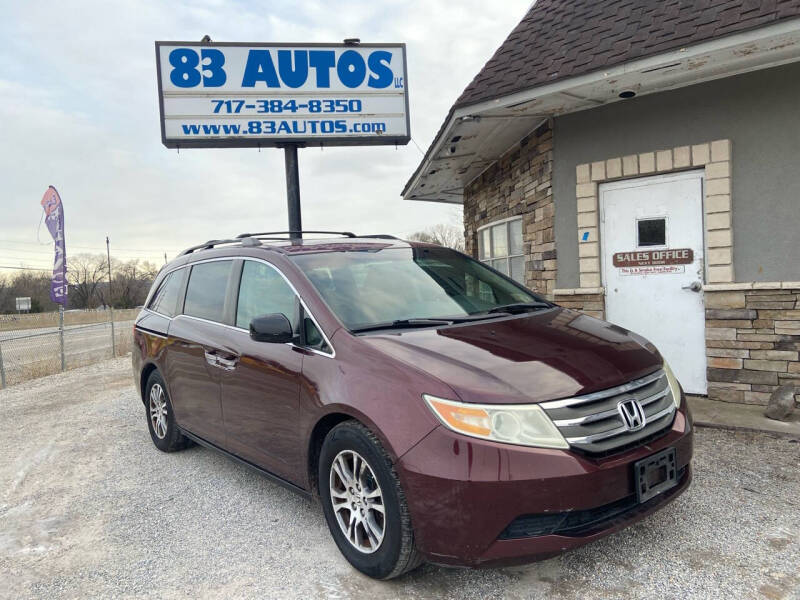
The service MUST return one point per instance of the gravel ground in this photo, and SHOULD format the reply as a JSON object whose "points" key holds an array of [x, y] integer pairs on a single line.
{"points": [[90, 508]]}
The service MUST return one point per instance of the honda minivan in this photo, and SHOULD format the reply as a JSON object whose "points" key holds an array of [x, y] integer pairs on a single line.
{"points": [[439, 410]]}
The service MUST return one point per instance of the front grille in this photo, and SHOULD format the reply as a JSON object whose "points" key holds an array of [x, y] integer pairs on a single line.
{"points": [[584, 522], [594, 424]]}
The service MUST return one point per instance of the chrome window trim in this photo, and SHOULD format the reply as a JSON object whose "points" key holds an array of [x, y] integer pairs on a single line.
{"points": [[608, 413], [620, 389], [331, 354]]}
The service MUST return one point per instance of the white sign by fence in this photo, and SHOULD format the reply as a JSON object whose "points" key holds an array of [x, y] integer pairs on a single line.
{"points": [[261, 95], [23, 304]]}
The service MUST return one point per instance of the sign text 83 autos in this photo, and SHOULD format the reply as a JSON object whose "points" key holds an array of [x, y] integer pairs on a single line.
{"points": [[207, 67]]}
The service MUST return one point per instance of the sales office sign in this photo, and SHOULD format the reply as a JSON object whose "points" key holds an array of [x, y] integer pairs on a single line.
{"points": [[653, 262], [247, 95]]}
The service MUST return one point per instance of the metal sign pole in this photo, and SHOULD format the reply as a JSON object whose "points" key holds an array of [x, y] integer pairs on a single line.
{"points": [[293, 188], [2, 369], [110, 301], [61, 336]]}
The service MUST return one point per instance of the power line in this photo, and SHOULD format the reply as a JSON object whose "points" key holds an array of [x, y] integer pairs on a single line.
{"points": [[98, 248], [24, 268]]}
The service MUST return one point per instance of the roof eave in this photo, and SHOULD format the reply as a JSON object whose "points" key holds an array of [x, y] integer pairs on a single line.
{"points": [[726, 56]]}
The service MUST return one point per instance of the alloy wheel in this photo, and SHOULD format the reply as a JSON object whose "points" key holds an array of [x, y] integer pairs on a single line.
{"points": [[158, 411], [357, 501]]}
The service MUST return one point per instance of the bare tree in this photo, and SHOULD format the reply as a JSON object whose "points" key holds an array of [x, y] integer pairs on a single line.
{"points": [[87, 275], [132, 281], [442, 234], [5, 294], [26, 284]]}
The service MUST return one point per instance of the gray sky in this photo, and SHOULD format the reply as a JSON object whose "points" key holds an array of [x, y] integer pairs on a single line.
{"points": [[79, 111]]}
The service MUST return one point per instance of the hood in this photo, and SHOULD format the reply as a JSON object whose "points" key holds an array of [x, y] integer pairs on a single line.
{"points": [[535, 357]]}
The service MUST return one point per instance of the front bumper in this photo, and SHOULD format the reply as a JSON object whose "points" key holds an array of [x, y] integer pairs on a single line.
{"points": [[464, 493]]}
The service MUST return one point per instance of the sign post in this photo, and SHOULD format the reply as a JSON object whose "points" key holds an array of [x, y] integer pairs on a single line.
{"points": [[293, 188], [240, 95]]}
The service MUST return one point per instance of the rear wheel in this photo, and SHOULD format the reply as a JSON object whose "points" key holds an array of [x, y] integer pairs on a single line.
{"points": [[160, 418], [364, 504]]}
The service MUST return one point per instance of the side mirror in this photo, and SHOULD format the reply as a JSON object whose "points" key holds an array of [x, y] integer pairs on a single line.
{"points": [[274, 328]]}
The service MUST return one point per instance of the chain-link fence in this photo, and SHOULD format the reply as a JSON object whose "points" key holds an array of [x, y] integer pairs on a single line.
{"points": [[28, 351]]}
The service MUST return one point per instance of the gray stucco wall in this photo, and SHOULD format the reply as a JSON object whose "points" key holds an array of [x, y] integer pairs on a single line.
{"points": [[760, 114]]}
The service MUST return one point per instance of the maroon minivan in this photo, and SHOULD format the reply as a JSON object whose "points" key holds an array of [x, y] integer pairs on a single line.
{"points": [[439, 410]]}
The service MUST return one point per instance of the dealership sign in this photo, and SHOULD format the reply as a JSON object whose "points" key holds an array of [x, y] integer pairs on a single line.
{"points": [[261, 95]]}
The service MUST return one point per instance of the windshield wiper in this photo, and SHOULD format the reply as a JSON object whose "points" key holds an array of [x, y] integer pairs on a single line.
{"points": [[519, 307], [403, 324]]}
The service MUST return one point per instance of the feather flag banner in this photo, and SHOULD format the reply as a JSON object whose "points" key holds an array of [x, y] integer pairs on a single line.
{"points": [[54, 219]]}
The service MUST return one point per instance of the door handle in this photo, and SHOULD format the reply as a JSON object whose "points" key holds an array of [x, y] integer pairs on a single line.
{"points": [[695, 286], [211, 357], [227, 363]]}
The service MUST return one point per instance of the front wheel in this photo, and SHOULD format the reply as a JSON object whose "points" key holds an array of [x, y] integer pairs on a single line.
{"points": [[364, 504]]}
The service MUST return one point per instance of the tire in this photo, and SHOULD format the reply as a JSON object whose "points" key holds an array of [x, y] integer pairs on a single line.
{"points": [[395, 553], [164, 432]]}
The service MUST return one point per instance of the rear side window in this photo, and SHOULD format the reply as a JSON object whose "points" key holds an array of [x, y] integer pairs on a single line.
{"points": [[205, 294], [263, 291], [165, 300]]}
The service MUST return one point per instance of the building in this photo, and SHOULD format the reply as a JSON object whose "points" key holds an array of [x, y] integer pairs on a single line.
{"points": [[640, 161]]}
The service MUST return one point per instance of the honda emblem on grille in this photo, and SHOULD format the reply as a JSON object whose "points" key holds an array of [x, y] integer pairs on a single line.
{"points": [[632, 414]]}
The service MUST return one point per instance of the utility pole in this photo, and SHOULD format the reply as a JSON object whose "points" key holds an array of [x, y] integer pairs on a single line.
{"points": [[110, 301]]}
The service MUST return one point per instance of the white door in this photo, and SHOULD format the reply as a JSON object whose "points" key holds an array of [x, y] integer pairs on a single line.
{"points": [[651, 238]]}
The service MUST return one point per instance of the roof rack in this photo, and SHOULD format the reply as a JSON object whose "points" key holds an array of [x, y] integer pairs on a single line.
{"points": [[290, 233], [250, 239], [208, 245]]}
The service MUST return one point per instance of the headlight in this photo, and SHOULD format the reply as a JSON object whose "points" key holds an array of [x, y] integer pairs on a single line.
{"points": [[525, 424], [674, 387]]}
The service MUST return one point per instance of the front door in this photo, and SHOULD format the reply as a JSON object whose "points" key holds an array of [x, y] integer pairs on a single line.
{"points": [[651, 238], [261, 391]]}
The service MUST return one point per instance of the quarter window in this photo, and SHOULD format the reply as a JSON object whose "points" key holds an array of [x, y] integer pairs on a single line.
{"points": [[264, 291], [500, 246], [165, 300], [205, 294]]}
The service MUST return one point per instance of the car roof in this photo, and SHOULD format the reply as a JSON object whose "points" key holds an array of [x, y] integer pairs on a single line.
{"points": [[291, 246]]}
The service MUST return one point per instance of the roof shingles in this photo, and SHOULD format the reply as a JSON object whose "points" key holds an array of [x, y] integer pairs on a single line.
{"points": [[565, 38]]}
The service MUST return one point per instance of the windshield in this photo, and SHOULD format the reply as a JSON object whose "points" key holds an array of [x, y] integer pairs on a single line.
{"points": [[371, 287]]}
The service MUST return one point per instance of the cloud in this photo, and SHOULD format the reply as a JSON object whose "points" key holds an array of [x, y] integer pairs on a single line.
{"points": [[80, 112]]}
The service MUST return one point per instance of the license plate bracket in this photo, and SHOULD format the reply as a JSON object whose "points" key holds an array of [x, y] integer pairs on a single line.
{"points": [[655, 474]]}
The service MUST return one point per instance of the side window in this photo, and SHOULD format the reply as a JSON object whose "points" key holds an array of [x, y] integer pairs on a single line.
{"points": [[165, 299], [263, 291], [205, 293]]}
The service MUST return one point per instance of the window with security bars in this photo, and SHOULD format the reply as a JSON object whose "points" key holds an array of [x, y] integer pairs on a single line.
{"points": [[500, 246]]}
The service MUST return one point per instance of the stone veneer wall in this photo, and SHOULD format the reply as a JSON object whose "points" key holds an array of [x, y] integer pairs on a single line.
{"points": [[591, 302], [752, 340], [519, 184]]}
